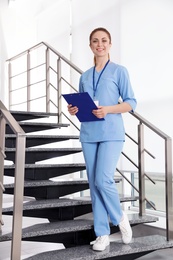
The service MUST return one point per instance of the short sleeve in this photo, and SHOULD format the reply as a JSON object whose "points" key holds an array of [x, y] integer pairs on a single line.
{"points": [[125, 88]]}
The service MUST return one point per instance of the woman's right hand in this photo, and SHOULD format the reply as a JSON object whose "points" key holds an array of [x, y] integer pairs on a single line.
{"points": [[72, 110]]}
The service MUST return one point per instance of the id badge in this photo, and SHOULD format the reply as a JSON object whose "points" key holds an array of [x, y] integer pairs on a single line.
{"points": [[96, 102]]}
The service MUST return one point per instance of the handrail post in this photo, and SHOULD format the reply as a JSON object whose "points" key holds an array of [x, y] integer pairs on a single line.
{"points": [[18, 197], [10, 85], [141, 169], [168, 189], [28, 82], [59, 90], [47, 81], [2, 146]]}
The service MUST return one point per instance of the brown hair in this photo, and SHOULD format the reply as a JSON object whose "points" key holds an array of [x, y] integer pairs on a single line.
{"points": [[100, 29], [103, 30]]}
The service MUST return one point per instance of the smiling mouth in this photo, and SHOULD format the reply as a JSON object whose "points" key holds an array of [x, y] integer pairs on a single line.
{"points": [[100, 49]]}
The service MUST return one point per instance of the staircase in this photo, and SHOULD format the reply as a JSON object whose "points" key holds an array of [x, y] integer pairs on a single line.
{"points": [[50, 194]]}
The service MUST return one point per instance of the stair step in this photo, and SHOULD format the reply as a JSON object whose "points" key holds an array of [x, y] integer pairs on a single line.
{"points": [[33, 155], [54, 209], [34, 127], [116, 250], [45, 171], [47, 231], [162, 254], [35, 140], [60, 229], [48, 189], [60, 209], [27, 115]]}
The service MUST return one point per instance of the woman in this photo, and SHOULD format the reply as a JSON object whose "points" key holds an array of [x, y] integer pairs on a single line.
{"points": [[102, 141]]}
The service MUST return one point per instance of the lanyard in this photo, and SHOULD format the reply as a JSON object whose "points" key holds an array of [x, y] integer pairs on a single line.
{"points": [[95, 86]]}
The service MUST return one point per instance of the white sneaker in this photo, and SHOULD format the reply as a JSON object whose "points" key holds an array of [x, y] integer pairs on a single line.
{"points": [[101, 243], [125, 228]]}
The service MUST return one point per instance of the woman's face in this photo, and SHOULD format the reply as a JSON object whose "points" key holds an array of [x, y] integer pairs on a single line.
{"points": [[100, 44]]}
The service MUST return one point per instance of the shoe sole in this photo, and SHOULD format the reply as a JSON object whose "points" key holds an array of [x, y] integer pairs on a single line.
{"points": [[100, 249]]}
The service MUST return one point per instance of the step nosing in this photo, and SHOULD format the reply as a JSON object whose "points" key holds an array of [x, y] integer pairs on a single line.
{"points": [[115, 249], [44, 149], [46, 165], [48, 183]]}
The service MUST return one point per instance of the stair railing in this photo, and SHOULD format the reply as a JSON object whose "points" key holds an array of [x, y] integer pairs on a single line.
{"points": [[49, 68], [141, 172], [63, 83], [6, 117]]}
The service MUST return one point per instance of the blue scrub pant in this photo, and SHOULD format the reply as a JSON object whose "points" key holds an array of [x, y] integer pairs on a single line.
{"points": [[101, 159]]}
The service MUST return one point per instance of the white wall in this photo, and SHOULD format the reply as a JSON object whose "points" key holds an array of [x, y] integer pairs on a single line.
{"points": [[146, 50], [93, 14], [142, 41], [3, 54]]}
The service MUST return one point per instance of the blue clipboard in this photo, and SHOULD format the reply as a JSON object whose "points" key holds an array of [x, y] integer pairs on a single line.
{"points": [[85, 105]]}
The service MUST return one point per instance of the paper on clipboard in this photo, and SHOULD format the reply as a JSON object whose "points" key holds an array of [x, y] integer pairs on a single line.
{"points": [[85, 105]]}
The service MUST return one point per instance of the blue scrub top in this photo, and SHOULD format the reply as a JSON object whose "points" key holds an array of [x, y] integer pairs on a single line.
{"points": [[113, 85]]}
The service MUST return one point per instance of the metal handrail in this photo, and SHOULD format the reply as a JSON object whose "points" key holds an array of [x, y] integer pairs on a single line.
{"points": [[6, 117], [142, 122], [50, 48], [121, 173]]}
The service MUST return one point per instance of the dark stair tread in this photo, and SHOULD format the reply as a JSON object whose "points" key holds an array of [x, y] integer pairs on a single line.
{"points": [[67, 226], [54, 209], [35, 140], [47, 183], [33, 155], [45, 171], [58, 227], [51, 203], [29, 149], [162, 254], [47, 166], [49, 189], [62, 202], [59, 209], [116, 249], [27, 115], [34, 126]]}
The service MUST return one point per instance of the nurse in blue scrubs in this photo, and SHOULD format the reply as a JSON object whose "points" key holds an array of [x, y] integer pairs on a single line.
{"points": [[102, 141]]}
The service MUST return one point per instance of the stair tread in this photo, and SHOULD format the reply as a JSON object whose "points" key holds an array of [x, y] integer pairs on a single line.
{"points": [[45, 171], [48, 183], [62, 202], [36, 154], [27, 115], [33, 113], [44, 149], [35, 166], [45, 136], [66, 226], [42, 123], [59, 182], [117, 248], [36, 126], [36, 140]]}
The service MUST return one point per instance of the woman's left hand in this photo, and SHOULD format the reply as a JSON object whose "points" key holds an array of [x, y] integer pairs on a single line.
{"points": [[101, 112]]}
